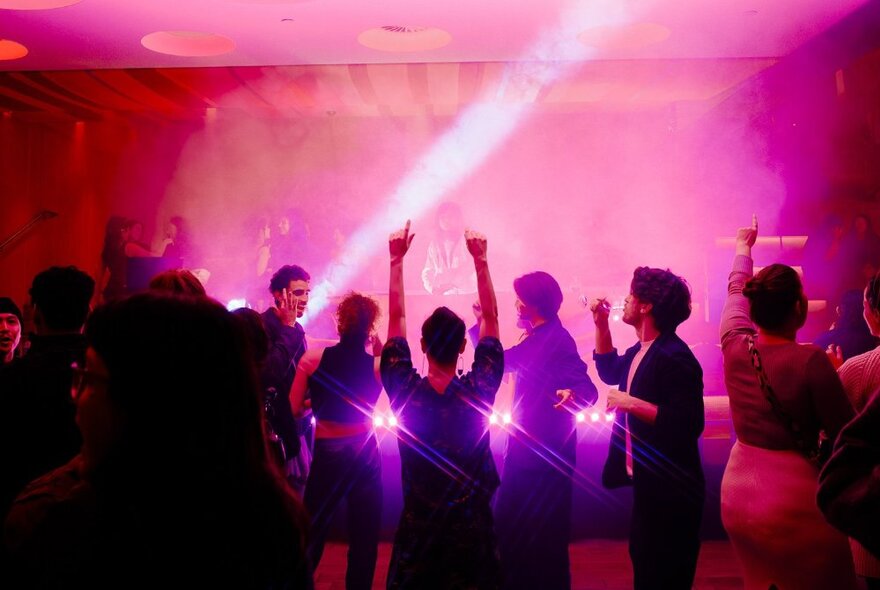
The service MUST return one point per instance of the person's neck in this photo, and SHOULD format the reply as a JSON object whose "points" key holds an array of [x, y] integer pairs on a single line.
{"points": [[647, 332], [537, 321], [777, 337], [439, 376], [7, 358]]}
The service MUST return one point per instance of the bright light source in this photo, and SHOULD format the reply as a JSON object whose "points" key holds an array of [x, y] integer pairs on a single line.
{"points": [[378, 421], [594, 417], [507, 419], [392, 421], [609, 417], [616, 317], [493, 419], [236, 304], [314, 421], [580, 417]]}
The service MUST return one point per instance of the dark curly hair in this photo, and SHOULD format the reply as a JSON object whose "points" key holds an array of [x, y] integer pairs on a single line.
{"points": [[356, 316], [668, 294], [289, 272], [62, 295], [773, 295], [443, 333]]}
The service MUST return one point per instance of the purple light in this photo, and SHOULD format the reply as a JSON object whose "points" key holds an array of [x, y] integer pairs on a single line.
{"points": [[609, 417], [392, 421], [493, 419], [378, 421], [580, 417], [594, 417], [506, 419]]}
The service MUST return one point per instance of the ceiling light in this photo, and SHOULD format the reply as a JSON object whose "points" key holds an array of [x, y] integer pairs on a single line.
{"points": [[188, 43], [398, 38], [35, 4], [11, 50], [624, 37]]}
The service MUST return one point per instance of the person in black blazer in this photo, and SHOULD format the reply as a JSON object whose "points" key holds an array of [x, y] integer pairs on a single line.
{"points": [[658, 405]]}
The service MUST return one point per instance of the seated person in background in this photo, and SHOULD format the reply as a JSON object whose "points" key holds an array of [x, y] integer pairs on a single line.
{"points": [[447, 269], [10, 329], [173, 484], [849, 335]]}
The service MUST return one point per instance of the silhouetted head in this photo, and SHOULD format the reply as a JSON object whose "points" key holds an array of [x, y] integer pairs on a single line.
{"points": [[180, 281], [443, 336], [61, 297], [256, 333], [776, 299]]}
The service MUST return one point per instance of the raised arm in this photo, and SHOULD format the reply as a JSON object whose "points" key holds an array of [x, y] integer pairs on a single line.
{"points": [[398, 245], [735, 315], [601, 308], [478, 247]]}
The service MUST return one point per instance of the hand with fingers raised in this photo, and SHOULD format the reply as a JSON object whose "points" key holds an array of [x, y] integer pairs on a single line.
{"points": [[477, 244], [399, 242]]}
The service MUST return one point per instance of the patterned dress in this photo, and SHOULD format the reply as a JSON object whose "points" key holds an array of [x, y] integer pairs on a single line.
{"points": [[445, 538]]}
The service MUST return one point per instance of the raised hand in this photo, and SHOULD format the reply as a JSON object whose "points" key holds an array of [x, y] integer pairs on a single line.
{"points": [[476, 244], [565, 396], [601, 309], [287, 308], [746, 236], [835, 355], [399, 242]]}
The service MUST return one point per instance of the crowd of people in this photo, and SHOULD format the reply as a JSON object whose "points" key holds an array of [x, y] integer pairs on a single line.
{"points": [[159, 439]]}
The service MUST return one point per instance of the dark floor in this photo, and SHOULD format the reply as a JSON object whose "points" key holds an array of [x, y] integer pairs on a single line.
{"points": [[596, 565]]}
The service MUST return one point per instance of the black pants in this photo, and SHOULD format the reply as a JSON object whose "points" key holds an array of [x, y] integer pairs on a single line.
{"points": [[533, 520], [347, 470]]}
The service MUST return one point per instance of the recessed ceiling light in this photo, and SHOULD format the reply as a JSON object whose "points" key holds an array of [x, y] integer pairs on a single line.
{"points": [[624, 37], [11, 50], [188, 43], [36, 4], [404, 39]]}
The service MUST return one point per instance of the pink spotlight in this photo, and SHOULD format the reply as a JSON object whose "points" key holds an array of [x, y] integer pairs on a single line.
{"points": [[609, 417], [378, 421], [616, 317], [594, 417], [493, 419], [314, 421], [506, 419], [392, 421], [580, 417]]}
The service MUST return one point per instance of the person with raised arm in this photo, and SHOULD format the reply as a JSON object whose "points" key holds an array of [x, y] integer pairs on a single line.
{"points": [[782, 394], [445, 537], [657, 399]]}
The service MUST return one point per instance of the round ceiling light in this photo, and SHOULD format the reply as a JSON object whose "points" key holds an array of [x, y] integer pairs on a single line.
{"points": [[188, 43], [11, 50], [624, 37], [404, 39], [36, 4]]}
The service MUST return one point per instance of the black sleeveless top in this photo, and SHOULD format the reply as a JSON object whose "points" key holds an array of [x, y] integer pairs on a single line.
{"points": [[344, 387]]}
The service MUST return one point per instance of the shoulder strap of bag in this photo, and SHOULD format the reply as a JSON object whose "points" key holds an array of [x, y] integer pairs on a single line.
{"points": [[793, 428]]}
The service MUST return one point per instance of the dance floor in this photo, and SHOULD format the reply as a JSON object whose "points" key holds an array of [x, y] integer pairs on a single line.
{"points": [[596, 565]]}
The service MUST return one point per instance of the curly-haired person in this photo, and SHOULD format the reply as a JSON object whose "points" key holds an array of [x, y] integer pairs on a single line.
{"points": [[659, 419]]}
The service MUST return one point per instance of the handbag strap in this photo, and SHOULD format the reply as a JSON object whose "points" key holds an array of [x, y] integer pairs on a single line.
{"points": [[793, 428]]}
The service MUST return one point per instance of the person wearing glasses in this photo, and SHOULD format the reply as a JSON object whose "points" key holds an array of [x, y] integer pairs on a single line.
{"points": [[287, 344]]}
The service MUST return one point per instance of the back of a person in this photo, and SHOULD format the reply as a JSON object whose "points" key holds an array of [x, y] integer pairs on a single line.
{"points": [[787, 366], [444, 440], [344, 388]]}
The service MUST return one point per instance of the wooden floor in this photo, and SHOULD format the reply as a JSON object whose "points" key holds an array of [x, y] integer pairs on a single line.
{"points": [[595, 565]]}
